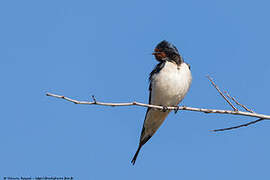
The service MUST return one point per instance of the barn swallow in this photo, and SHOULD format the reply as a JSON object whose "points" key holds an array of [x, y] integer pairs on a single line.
{"points": [[169, 82]]}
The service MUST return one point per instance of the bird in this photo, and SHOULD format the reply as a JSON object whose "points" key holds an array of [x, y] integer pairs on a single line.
{"points": [[170, 81]]}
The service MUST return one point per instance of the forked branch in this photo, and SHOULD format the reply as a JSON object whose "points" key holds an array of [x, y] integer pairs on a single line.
{"points": [[235, 111]]}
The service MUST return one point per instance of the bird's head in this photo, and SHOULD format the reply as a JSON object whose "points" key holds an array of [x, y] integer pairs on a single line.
{"points": [[166, 51]]}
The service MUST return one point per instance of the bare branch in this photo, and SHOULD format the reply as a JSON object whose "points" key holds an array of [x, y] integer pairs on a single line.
{"points": [[162, 108], [250, 113], [243, 106], [217, 88], [235, 127]]}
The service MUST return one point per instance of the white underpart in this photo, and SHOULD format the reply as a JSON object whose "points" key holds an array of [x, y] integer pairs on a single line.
{"points": [[169, 88], [171, 84]]}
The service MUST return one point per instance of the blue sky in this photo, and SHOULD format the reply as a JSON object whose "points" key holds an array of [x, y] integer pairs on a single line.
{"points": [[81, 48]]}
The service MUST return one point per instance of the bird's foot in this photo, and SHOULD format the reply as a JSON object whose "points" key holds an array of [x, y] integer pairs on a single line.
{"points": [[165, 108], [176, 109]]}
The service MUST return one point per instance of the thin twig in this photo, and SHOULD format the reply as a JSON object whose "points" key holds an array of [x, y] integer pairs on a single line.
{"points": [[217, 88], [235, 127], [263, 116], [237, 102]]}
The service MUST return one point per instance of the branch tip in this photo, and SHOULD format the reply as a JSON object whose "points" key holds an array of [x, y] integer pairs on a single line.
{"points": [[239, 126], [219, 91]]}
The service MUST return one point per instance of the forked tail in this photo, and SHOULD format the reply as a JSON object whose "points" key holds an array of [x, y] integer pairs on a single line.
{"points": [[136, 154]]}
